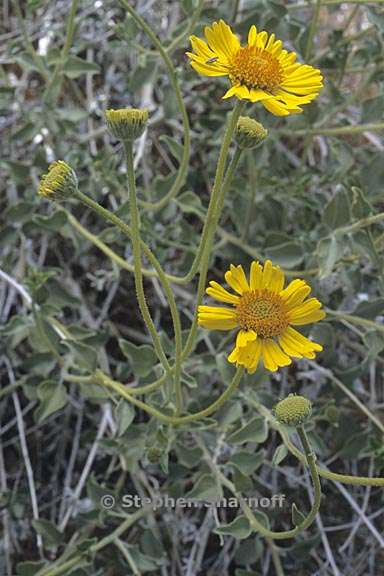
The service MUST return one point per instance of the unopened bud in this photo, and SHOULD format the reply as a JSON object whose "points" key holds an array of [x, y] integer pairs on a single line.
{"points": [[293, 410], [128, 123], [249, 133], [60, 182]]}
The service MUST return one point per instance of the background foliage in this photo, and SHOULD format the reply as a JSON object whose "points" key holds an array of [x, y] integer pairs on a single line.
{"points": [[310, 199]]}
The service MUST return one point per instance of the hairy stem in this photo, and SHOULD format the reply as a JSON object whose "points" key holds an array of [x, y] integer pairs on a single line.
{"points": [[136, 246], [213, 218], [183, 168], [104, 380]]}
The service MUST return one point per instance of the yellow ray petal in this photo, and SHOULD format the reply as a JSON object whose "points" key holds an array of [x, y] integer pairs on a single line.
{"points": [[256, 276], [304, 308], [288, 98], [244, 337], [254, 355], [287, 58], [276, 283], [232, 91], [221, 39], [294, 76], [217, 311], [267, 273], [288, 69], [243, 92], [275, 107], [276, 48], [309, 318], [256, 95], [208, 70], [270, 43], [297, 297], [247, 356], [297, 345], [273, 356], [238, 90], [221, 294], [201, 48], [252, 35], [302, 90], [261, 40], [268, 361], [236, 279], [234, 355], [212, 323], [229, 37], [292, 287]]}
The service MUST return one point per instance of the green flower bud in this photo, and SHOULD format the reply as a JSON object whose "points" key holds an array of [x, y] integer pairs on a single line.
{"points": [[154, 454], [249, 133], [293, 410], [60, 182], [332, 413], [126, 124]]}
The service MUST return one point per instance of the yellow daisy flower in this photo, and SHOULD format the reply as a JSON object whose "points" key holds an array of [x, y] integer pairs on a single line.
{"points": [[260, 71], [263, 312]]}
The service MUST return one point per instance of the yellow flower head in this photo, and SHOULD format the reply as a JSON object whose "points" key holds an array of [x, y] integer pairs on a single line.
{"points": [[264, 312], [59, 183], [259, 71]]}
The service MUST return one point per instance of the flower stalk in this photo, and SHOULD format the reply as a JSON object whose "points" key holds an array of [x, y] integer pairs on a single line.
{"points": [[136, 248], [212, 218], [124, 392]]}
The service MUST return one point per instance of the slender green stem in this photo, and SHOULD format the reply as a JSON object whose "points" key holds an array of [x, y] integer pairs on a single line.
{"points": [[218, 208], [351, 39], [323, 472], [235, 10], [54, 84], [146, 388], [106, 214], [104, 380], [275, 557], [10, 388], [39, 321], [102, 246], [213, 218], [254, 523], [363, 223], [37, 59], [191, 24], [127, 230], [225, 237], [78, 379], [64, 568], [183, 168], [58, 568], [329, 374], [88, 380], [308, 5], [339, 314], [136, 249], [311, 462], [70, 30], [214, 210], [139, 280], [213, 215], [337, 131], [252, 179], [130, 561], [312, 30]]}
